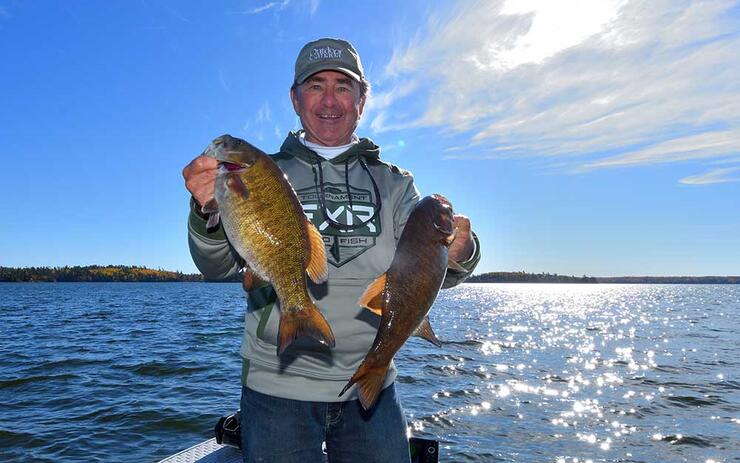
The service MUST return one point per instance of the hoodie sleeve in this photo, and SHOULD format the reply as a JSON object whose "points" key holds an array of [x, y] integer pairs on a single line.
{"points": [[408, 200], [210, 250]]}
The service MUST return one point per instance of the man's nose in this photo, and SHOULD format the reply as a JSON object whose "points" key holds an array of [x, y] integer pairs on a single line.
{"points": [[329, 98]]}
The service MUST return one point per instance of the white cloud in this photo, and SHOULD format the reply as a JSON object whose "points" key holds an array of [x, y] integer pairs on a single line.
{"points": [[701, 146], [222, 80], [597, 83], [264, 113], [260, 122], [268, 6], [713, 176]]}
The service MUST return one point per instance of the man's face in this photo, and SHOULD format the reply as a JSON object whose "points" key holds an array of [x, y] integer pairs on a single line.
{"points": [[329, 105]]}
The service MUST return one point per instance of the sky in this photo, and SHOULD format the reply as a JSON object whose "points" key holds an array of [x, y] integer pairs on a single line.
{"points": [[596, 138]]}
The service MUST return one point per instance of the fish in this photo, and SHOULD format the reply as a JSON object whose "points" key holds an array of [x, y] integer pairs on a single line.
{"points": [[403, 295], [265, 223]]}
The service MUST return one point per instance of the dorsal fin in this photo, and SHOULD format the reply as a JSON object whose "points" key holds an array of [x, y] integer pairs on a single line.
{"points": [[372, 298], [317, 268]]}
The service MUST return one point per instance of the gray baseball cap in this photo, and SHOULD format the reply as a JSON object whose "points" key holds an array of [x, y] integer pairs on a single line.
{"points": [[328, 55]]}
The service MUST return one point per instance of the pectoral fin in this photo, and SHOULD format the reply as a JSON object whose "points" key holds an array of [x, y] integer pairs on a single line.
{"points": [[236, 185], [425, 331], [372, 298], [211, 209], [451, 264], [317, 269]]}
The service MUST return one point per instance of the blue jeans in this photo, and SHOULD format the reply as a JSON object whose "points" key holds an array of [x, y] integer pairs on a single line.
{"points": [[279, 430]]}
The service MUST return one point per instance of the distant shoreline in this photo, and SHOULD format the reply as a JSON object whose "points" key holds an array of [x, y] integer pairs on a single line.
{"points": [[96, 274], [137, 274], [523, 277]]}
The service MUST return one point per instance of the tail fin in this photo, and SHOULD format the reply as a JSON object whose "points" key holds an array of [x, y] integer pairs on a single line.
{"points": [[306, 322], [369, 382]]}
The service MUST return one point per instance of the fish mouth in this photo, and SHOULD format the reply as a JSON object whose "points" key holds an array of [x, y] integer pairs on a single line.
{"points": [[228, 167], [445, 231]]}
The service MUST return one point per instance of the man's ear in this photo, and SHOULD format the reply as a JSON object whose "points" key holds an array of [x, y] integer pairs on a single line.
{"points": [[362, 104], [294, 100]]}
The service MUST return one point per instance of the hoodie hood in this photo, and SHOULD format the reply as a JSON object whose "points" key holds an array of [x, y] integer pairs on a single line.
{"points": [[365, 148]]}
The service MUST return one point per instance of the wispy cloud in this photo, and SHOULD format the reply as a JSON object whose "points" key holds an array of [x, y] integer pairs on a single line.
{"points": [[714, 176], [261, 123], [222, 80], [313, 6], [264, 113], [597, 83], [268, 6], [702, 146], [176, 14]]}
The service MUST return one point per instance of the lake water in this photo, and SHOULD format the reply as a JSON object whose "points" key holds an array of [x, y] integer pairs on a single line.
{"points": [[131, 372]]}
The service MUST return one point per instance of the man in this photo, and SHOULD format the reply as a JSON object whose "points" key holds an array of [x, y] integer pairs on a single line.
{"points": [[290, 403]]}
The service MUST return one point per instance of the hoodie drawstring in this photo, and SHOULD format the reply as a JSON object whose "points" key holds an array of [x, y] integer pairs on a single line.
{"points": [[319, 185]]}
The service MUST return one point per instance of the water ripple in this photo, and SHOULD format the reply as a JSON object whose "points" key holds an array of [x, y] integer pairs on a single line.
{"points": [[526, 373]]}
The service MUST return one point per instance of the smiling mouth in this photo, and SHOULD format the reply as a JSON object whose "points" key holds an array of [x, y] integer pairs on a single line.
{"points": [[329, 117]]}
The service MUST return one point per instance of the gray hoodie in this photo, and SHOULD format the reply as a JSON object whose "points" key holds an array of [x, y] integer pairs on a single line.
{"points": [[308, 370]]}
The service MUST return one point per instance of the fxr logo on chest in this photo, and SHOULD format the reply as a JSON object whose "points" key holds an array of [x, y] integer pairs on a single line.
{"points": [[343, 214]]}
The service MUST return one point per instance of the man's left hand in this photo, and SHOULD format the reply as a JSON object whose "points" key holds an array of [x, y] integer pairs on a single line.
{"points": [[462, 247]]}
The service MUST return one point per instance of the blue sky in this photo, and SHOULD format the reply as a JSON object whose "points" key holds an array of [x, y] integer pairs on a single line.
{"points": [[598, 138]]}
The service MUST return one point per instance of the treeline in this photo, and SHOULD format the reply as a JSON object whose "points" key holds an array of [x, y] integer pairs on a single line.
{"points": [[96, 273], [714, 280], [523, 277]]}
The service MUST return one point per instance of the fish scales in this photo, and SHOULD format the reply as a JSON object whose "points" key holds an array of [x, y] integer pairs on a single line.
{"points": [[273, 222], [265, 223], [404, 294]]}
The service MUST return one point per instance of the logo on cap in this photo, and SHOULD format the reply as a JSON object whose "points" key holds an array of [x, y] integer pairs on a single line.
{"points": [[325, 53]]}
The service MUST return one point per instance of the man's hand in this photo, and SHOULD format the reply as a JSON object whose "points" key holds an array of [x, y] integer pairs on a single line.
{"points": [[200, 178], [462, 248]]}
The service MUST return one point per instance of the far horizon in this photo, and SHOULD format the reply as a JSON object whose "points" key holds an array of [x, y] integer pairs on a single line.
{"points": [[577, 275], [581, 138]]}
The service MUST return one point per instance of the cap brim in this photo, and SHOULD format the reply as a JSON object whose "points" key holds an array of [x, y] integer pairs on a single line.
{"points": [[326, 67]]}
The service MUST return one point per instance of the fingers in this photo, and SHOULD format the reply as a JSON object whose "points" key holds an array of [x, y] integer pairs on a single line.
{"points": [[200, 178], [199, 165]]}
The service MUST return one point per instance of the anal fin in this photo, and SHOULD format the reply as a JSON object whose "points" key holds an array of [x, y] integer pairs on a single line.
{"points": [[425, 331]]}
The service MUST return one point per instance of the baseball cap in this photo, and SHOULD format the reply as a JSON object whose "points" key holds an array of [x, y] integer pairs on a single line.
{"points": [[328, 55]]}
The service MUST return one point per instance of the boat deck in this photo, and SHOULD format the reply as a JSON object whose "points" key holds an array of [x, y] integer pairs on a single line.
{"points": [[206, 452]]}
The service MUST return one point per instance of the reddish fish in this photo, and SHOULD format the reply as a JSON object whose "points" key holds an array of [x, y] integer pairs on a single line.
{"points": [[403, 295]]}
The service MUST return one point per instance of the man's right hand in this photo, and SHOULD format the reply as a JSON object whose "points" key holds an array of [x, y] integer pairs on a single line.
{"points": [[200, 178]]}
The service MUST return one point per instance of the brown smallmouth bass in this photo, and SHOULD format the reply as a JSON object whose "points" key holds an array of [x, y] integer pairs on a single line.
{"points": [[264, 221], [403, 295]]}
